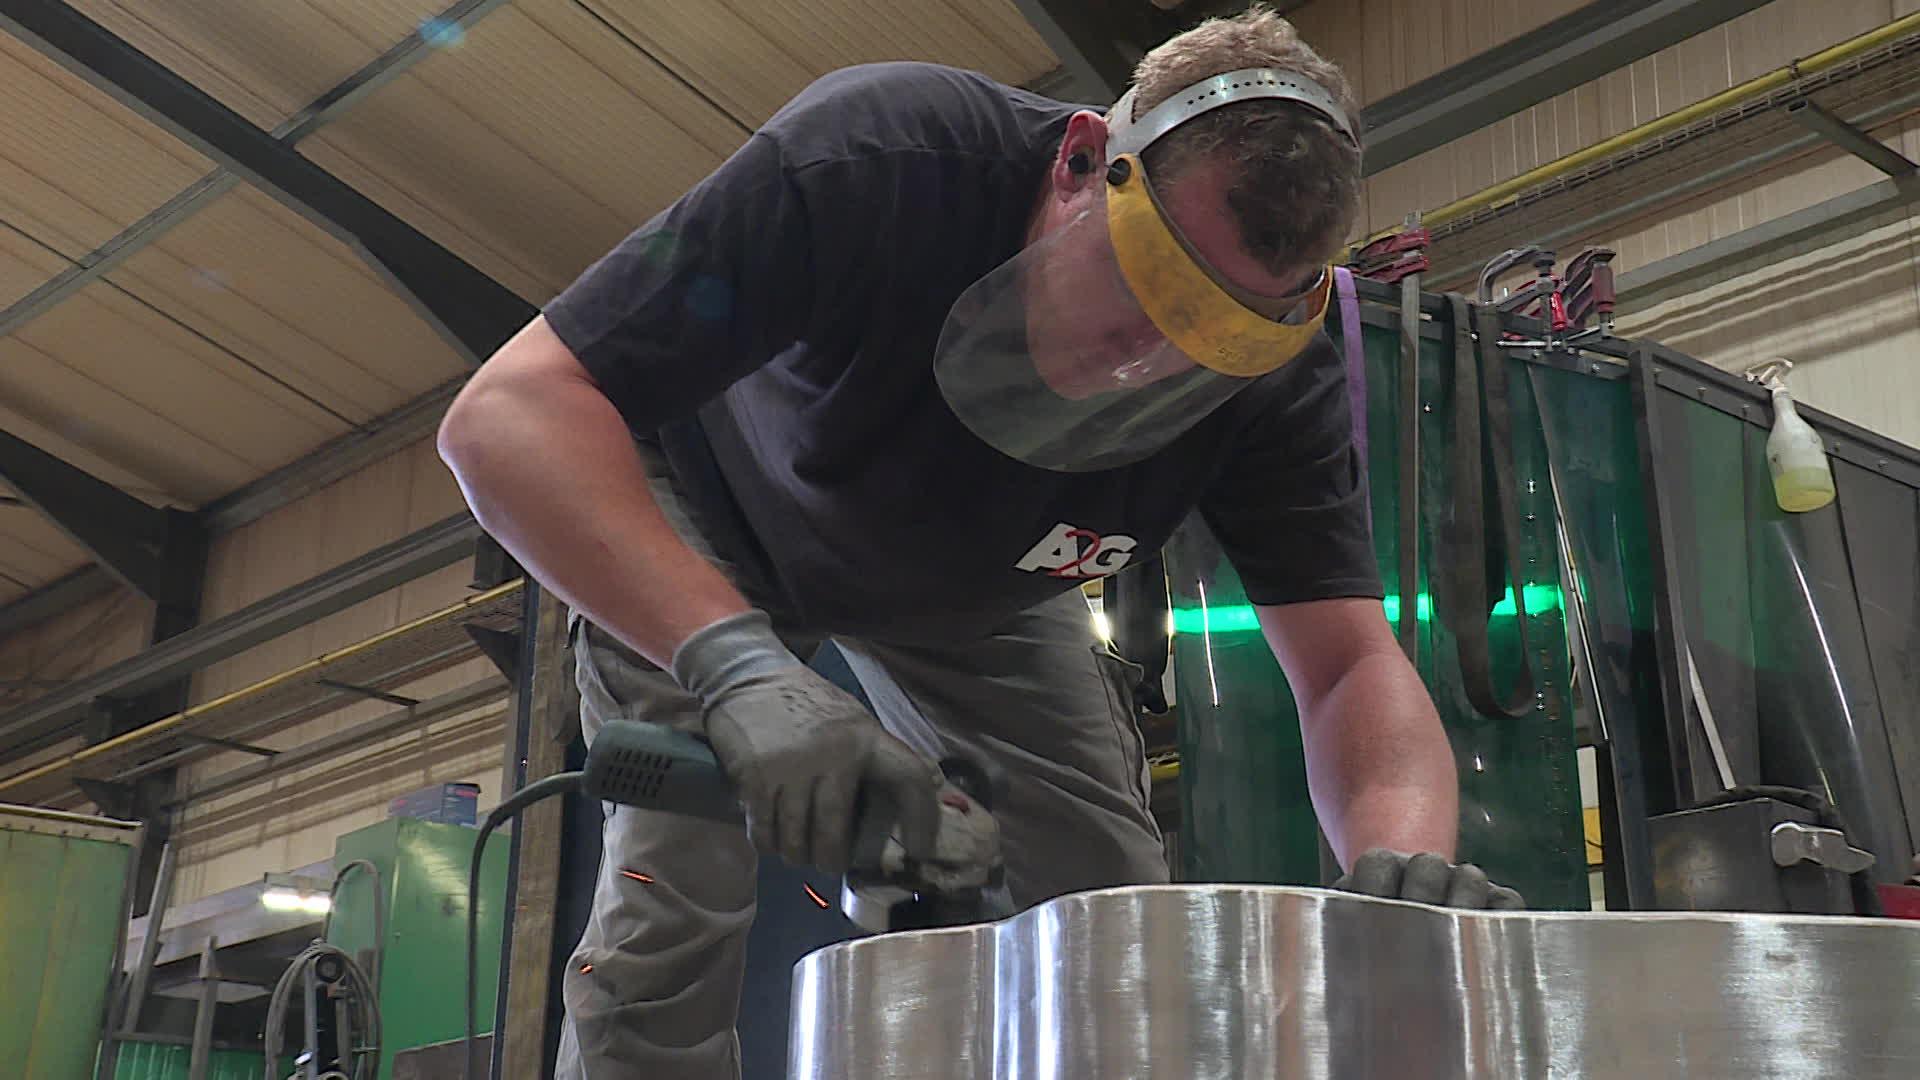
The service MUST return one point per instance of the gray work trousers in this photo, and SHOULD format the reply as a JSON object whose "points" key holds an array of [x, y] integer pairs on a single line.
{"points": [[655, 982]]}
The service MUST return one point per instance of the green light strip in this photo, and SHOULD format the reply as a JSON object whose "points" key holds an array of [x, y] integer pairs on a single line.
{"points": [[1232, 618]]}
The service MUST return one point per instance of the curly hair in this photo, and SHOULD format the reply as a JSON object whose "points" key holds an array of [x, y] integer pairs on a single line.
{"points": [[1295, 183]]}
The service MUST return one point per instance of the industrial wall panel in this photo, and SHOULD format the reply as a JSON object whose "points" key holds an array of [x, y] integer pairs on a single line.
{"points": [[346, 519], [75, 166], [1750, 45], [1764, 196], [1847, 314], [129, 348], [265, 61], [294, 819], [48, 753], [265, 283], [1388, 45], [531, 146]]}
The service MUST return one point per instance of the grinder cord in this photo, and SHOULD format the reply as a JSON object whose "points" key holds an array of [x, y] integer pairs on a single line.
{"points": [[511, 806]]}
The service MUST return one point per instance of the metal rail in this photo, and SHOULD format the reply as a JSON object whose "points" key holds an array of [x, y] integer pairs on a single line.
{"points": [[1787, 76], [47, 718], [183, 722]]}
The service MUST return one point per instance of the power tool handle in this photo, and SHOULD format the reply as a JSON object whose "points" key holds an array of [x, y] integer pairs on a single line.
{"points": [[635, 763]]}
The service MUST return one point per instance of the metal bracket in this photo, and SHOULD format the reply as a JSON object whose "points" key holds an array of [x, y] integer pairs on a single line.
{"points": [[1795, 843], [368, 692], [230, 744], [1810, 115]]}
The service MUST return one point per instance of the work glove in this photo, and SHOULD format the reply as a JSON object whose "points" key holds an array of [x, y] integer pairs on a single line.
{"points": [[1427, 878], [804, 755]]}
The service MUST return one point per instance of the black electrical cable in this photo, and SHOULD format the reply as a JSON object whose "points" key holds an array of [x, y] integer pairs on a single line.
{"points": [[379, 912], [557, 784]]}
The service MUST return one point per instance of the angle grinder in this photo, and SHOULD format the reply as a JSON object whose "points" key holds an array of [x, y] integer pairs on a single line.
{"points": [[651, 767]]}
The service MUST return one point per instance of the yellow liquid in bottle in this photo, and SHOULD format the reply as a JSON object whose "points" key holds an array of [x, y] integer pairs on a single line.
{"points": [[1801, 490]]}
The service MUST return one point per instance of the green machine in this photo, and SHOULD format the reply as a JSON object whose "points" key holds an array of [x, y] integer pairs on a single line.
{"points": [[421, 878], [63, 887], [143, 1060]]}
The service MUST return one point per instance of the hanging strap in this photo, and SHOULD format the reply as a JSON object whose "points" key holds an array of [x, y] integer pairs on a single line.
{"points": [[1353, 346], [1483, 443], [1353, 350], [1407, 466]]}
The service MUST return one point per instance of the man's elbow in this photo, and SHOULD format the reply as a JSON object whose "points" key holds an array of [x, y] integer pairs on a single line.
{"points": [[497, 394], [459, 437]]}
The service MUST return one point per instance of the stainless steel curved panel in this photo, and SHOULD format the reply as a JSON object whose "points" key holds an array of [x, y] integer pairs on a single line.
{"points": [[1227, 981]]}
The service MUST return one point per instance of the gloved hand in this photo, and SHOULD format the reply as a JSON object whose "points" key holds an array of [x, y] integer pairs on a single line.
{"points": [[965, 854], [801, 751], [1427, 878]]}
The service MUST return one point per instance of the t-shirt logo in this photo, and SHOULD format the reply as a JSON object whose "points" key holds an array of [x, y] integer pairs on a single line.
{"points": [[1069, 552]]}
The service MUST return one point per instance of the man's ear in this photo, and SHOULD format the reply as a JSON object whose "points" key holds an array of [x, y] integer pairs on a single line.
{"points": [[1081, 159]]}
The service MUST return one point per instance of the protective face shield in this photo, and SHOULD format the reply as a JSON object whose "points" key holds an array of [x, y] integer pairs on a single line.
{"points": [[1106, 339]]}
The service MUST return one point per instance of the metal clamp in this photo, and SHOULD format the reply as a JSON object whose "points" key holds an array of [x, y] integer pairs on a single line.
{"points": [[1795, 843]]}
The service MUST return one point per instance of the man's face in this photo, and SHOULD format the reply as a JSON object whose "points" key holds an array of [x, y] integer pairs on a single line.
{"points": [[1086, 333]]}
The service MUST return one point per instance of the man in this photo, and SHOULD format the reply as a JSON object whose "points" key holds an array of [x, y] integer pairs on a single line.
{"points": [[925, 354]]}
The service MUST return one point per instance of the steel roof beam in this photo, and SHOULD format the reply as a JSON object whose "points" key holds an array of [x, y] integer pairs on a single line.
{"points": [[472, 311], [156, 552], [327, 107]]}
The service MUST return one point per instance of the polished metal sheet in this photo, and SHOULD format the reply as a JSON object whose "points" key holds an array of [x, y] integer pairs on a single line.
{"points": [[1229, 981]]}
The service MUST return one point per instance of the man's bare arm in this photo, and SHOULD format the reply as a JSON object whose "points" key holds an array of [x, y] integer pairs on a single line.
{"points": [[1378, 761], [550, 470]]}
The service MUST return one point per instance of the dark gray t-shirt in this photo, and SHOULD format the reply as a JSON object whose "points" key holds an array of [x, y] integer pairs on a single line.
{"points": [[792, 300]]}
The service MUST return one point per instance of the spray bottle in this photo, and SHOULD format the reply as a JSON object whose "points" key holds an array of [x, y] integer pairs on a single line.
{"points": [[1802, 479]]}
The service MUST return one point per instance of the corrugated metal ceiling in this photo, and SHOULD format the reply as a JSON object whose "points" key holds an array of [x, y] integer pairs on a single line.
{"points": [[75, 166], [24, 264], [225, 273], [32, 550], [264, 59], [242, 337], [750, 57], [530, 147], [549, 130]]}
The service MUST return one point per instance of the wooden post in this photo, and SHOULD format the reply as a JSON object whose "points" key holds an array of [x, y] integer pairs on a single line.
{"points": [[537, 748]]}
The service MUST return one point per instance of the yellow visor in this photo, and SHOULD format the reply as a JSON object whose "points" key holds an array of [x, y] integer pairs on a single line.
{"points": [[1108, 338], [1194, 311]]}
